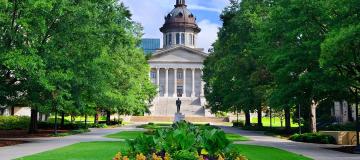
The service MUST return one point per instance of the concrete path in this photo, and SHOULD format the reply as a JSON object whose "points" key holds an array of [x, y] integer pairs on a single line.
{"points": [[38, 145], [315, 151]]}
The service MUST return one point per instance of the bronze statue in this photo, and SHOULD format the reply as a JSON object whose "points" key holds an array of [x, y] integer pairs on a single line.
{"points": [[178, 104]]}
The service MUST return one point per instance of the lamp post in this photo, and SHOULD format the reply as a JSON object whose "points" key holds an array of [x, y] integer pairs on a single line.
{"points": [[270, 118]]}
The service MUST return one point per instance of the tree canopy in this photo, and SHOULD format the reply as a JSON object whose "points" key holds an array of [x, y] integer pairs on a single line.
{"points": [[72, 56]]}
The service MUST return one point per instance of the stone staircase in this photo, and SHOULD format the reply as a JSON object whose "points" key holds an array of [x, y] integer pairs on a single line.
{"points": [[148, 119], [167, 107]]}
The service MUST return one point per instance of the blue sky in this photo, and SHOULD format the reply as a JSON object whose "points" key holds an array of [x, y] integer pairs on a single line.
{"points": [[150, 13]]}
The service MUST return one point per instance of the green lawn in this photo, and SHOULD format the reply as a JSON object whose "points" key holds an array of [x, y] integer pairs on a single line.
{"points": [[82, 151], [235, 137], [107, 150], [134, 134], [126, 135], [276, 122]]}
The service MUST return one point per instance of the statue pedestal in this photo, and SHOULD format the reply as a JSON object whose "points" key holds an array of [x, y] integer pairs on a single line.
{"points": [[179, 117]]}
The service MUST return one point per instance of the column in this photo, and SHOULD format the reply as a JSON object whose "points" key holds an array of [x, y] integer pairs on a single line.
{"points": [[158, 80], [202, 85], [193, 82], [184, 83], [166, 82], [175, 82]]}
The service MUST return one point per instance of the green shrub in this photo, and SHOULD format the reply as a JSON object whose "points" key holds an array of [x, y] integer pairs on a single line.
{"points": [[313, 138], [67, 126], [93, 125], [240, 123], [340, 127], [182, 141], [14, 122]]}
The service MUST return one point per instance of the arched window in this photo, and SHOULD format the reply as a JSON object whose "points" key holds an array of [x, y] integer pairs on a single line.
{"points": [[166, 39], [170, 39], [177, 38], [182, 38]]}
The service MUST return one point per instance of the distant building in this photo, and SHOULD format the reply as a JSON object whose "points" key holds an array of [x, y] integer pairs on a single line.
{"points": [[150, 45]]}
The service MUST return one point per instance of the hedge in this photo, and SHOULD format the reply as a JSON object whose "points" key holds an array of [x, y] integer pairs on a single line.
{"points": [[14, 122]]}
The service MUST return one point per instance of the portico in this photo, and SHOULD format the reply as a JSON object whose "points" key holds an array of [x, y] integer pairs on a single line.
{"points": [[185, 82]]}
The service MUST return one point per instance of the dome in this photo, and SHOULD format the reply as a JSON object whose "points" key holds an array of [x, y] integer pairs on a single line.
{"points": [[180, 18]]}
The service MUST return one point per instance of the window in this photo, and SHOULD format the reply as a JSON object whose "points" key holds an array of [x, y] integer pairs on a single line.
{"points": [[183, 38], [153, 75], [193, 40], [180, 76], [190, 39], [166, 39], [170, 39], [177, 38]]}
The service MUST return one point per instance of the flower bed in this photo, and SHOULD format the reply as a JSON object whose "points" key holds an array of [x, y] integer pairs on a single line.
{"points": [[182, 141]]}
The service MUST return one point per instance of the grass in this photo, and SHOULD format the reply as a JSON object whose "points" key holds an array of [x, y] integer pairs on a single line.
{"points": [[107, 150], [276, 122], [235, 137], [134, 134], [126, 135], [253, 152]]}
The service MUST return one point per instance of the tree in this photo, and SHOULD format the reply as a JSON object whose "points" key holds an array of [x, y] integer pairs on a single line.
{"points": [[67, 56]]}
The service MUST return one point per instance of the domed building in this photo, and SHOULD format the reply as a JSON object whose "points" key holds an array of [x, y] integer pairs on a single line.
{"points": [[176, 69]]}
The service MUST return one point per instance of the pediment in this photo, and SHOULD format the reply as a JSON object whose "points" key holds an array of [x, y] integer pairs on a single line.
{"points": [[179, 54]]}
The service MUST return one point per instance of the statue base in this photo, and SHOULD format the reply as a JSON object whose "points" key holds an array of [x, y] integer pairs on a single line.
{"points": [[179, 117]]}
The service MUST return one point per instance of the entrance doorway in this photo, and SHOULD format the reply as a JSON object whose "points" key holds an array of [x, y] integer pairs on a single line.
{"points": [[180, 91]]}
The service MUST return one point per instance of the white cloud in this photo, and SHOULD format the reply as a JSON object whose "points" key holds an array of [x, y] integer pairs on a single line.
{"points": [[208, 34]]}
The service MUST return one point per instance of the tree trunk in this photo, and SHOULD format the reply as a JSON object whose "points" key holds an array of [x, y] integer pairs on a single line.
{"points": [[259, 112], [108, 115], [33, 128], [12, 111], [56, 125], [350, 113], [287, 119], [247, 118], [86, 117], [313, 107], [62, 119], [96, 118]]}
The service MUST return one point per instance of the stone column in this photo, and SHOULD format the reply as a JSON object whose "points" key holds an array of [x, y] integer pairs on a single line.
{"points": [[166, 94], [202, 85], [184, 83], [193, 82], [175, 82], [158, 80]]}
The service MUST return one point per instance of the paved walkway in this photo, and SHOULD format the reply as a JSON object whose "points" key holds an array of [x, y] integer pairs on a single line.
{"points": [[38, 145], [315, 151]]}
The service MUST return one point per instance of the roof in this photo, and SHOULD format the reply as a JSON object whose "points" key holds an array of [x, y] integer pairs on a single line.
{"points": [[180, 47]]}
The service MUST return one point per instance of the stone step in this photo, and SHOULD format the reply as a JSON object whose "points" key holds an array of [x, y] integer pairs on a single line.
{"points": [[171, 119]]}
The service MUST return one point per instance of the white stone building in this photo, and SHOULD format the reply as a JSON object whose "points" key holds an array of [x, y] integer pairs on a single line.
{"points": [[177, 67]]}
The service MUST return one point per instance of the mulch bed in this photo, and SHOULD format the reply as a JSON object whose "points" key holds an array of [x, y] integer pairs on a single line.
{"points": [[345, 149], [24, 133], [4, 143]]}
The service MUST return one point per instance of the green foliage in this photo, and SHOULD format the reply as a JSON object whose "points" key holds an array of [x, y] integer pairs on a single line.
{"points": [[182, 140], [313, 138], [67, 56], [184, 155], [283, 54], [14, 123], [340, 127]]}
